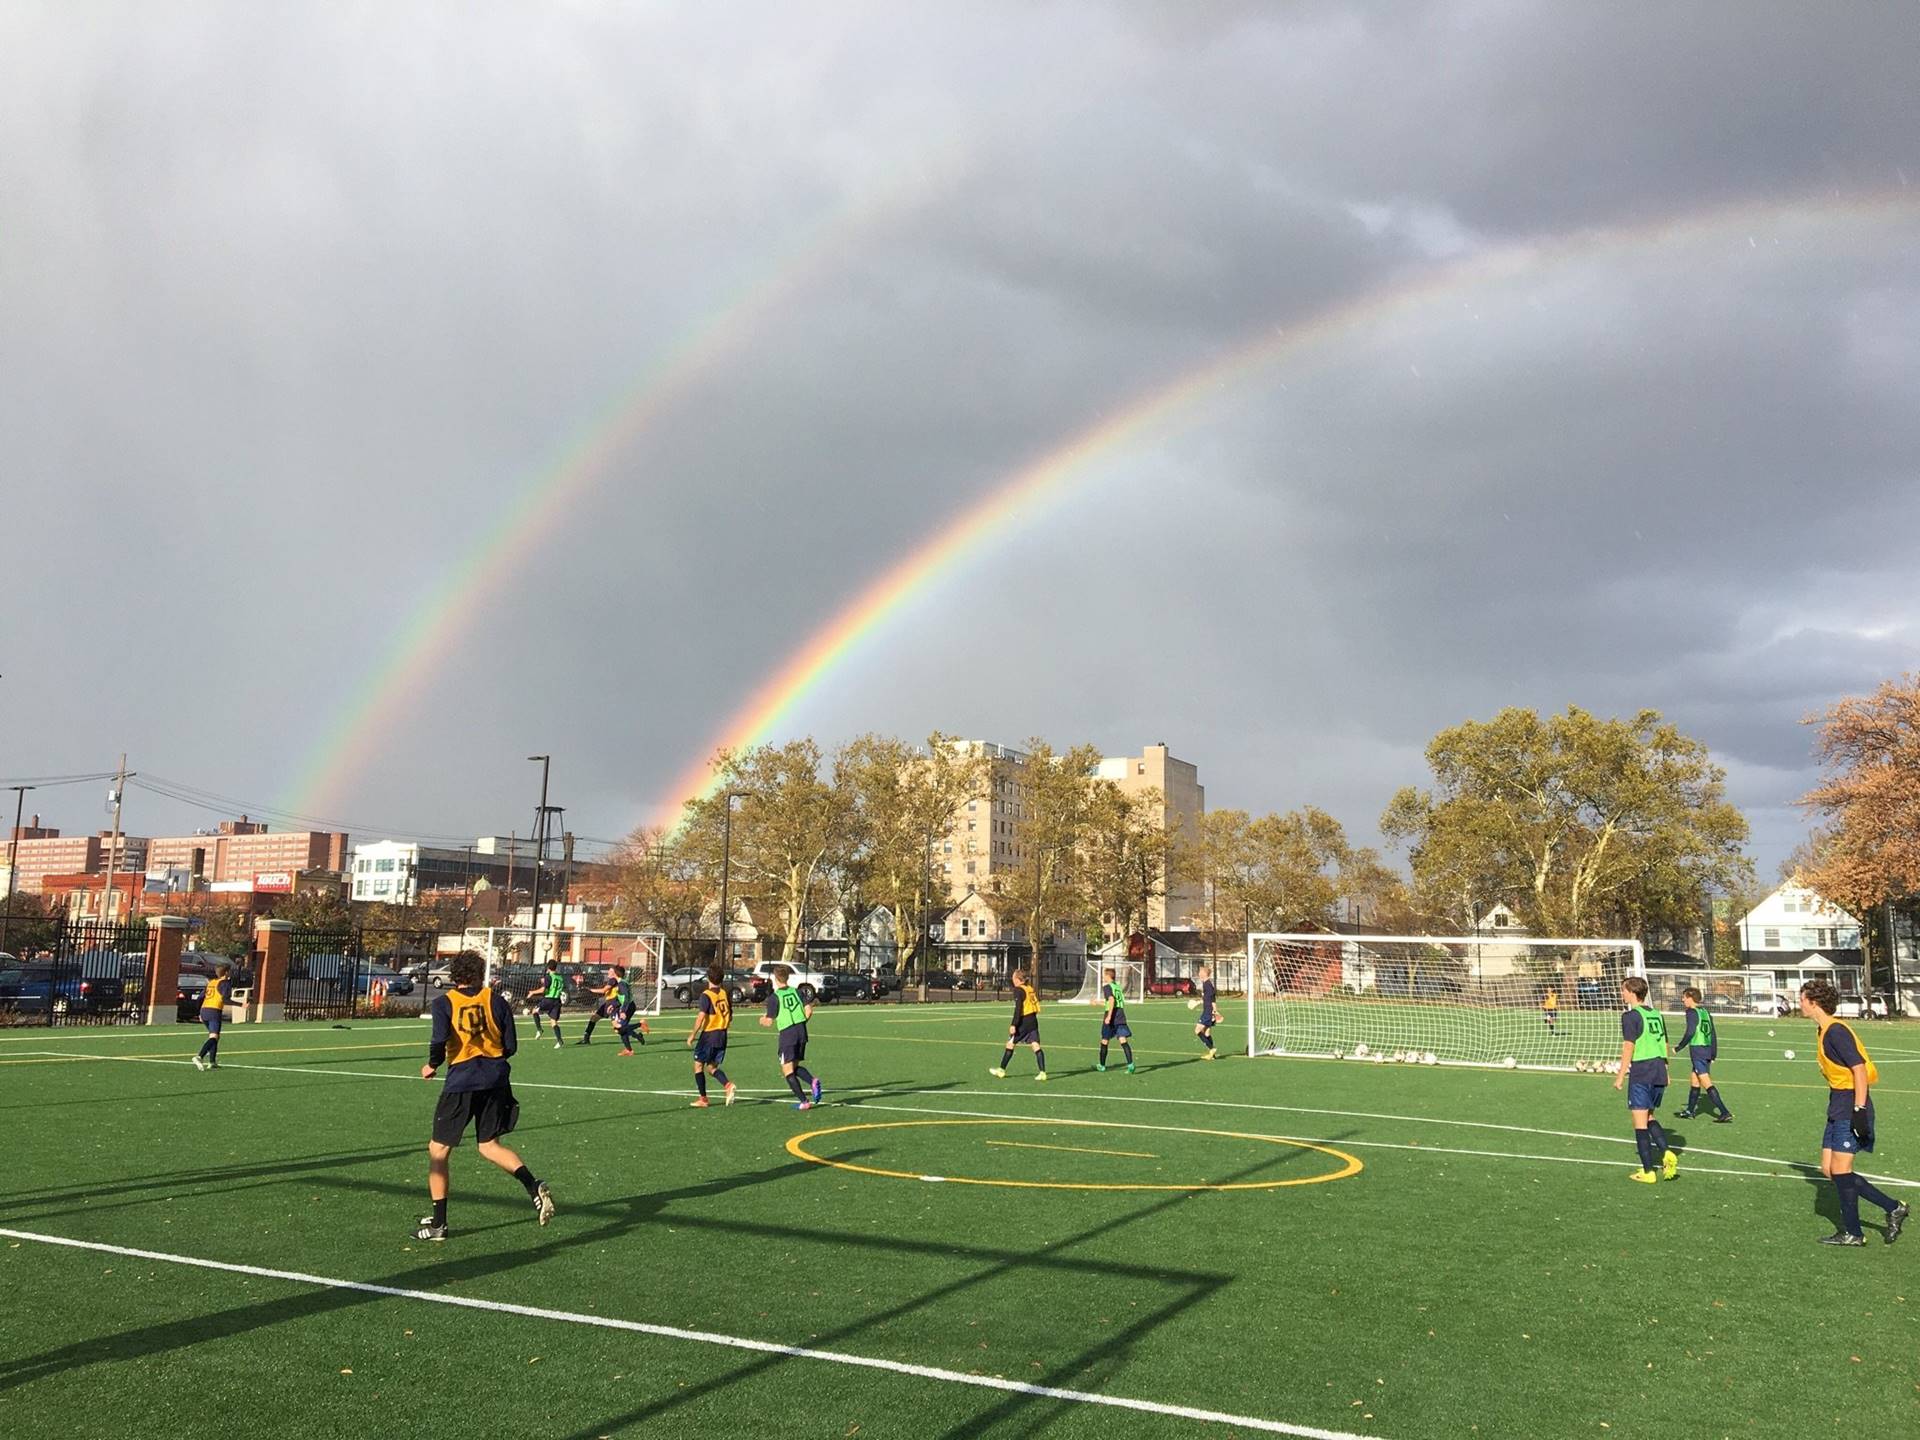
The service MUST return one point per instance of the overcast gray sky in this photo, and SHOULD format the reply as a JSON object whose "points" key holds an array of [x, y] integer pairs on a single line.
{"points": [[299, 303]]}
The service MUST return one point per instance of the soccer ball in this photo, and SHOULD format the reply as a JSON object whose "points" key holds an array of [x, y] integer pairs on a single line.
{"points": [[1396, 1058], [1789, 1054], [1580, 1066], [1508, 1063], [1769, 1034], [1429, 1058], [1379, 1058], [1361, 1049]]}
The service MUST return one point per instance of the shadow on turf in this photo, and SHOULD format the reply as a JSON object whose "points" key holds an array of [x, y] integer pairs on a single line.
{"points": [[1087, 1370]]}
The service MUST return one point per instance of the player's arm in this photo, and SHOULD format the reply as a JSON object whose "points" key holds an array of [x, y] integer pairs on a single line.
{"points": [[1630, 1028], [1013, 1026], [1686, 1034], [773, 1008], [700, 1014], [442, 1033], [503, 1017], [806, 1012]]}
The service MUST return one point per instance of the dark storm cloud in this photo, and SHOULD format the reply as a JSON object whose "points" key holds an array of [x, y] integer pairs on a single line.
{"points": [[298, 302]]}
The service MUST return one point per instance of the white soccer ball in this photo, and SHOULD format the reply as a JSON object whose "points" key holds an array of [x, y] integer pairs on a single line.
{"points": [[1378, 1058], [1361, 1048], [1789, 1054], [1769, 1034], [1429, 1058], [1508, 1063], [1580, 1066], [1398, 1057]]}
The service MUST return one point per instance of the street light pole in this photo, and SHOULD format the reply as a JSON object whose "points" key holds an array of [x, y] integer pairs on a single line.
{"points": [[113, 846], [539, 852], [13, 859], [725, 917]]}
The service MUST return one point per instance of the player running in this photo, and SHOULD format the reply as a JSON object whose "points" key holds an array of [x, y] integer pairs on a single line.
{"points": [[1850, 1073], [616, 1004], [213, 1010], [1702, 1043], [713, 1016], [1025, 1029], [1113, 1023], [549, 1001], [473, 1036], [1209, 1011], [1643, 1070], [785, 1007]]}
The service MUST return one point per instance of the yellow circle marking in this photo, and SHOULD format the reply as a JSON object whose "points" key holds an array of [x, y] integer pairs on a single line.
{"points": [[797, 1147]]}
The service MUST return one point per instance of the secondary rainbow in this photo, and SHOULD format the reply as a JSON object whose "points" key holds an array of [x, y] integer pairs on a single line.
{"points": [[1050, 477]]}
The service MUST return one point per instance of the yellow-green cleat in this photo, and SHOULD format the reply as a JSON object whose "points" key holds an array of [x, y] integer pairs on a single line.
{"points": [[1643, 1177], [1670, 1166]]}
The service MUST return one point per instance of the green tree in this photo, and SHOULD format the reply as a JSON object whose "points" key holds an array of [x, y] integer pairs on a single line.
{"points": [[1055, 796], [1577, 823], [1124, 858], [659, 885]]}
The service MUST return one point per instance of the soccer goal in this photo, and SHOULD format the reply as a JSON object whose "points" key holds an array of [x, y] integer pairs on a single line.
{"points": [[517, 959], [1439, 1000], [1129, 975]]}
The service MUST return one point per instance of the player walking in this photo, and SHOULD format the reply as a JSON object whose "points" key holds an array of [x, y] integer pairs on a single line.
{"points": [[1702, 1043], [1850, 1073], [713, 1016], [786, 1009], [1025, 1029], [1209, 1011], [1643, 1070], [473, 1037], [213, 1010], [550, 1000], [1113, 1023]]}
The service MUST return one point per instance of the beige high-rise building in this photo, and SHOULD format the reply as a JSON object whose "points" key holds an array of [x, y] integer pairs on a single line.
{"points": [[982, 843], [1183, 800]]}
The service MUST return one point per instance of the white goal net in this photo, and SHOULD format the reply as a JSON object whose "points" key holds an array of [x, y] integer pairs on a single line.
{"points": [[1439, 1000], [1129, 975], [517, 960]]}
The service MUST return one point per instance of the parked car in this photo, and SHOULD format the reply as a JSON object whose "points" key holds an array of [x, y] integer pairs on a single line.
{"points": [[676, 976], [396, 982], [807, 982], [1172, 985], [39, 987], [190, 992], [852, 986], [887, 978], [941, 980]]}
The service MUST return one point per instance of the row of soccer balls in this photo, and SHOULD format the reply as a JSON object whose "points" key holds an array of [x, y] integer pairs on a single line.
{"points": [[1427, 1057]]}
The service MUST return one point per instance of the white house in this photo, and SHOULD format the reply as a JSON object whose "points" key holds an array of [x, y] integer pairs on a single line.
{"points": [[1795, 922]]}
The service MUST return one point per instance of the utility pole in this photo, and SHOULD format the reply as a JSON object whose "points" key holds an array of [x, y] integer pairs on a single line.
{"points": [[13, 859], [539, 851], [726, 874], [566, 873], [113, 847]]}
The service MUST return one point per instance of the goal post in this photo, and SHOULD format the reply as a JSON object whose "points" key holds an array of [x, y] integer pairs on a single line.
{"points": [[1129, 975], [1502, 1001], [517, 957]]}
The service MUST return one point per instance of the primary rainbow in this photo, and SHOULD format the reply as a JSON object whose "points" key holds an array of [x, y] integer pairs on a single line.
{"points": [[1049, 477]]}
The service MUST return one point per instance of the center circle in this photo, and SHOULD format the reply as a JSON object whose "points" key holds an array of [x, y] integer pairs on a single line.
{"points": [[797, 1147]]}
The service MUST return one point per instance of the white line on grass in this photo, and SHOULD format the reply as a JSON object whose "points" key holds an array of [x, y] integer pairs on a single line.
{"points": [[705, 1337]]}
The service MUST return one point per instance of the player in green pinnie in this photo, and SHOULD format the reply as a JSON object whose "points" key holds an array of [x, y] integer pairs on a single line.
{"points": [[1113, 1022]]}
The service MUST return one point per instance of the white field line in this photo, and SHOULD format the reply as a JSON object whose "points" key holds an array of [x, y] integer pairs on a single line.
{"points": [[705, 1337], [1794, 1168]]}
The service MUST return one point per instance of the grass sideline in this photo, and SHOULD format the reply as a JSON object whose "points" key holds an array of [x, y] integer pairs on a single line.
{"points": [[1487, 1271]]}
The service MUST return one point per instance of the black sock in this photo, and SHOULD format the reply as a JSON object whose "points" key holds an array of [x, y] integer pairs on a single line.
{"points": [[721, 1076], [1693, 1101], [1659, 1138], [1713, 1099], [213, 1050], [1849, 1203], [1103, 1052], [1867, 1190], [1006, 1057], [700, 1079], [556, 1030], [1644, 1143], [590, 1025], [1126, 1049], [805, 1075], [1040, 1061], [525, 1177], [439, 1212], [793, 1083], [1206, 1040]]}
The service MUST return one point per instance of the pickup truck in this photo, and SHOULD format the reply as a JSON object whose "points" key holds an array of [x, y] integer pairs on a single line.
{"points": [[36, 988]]}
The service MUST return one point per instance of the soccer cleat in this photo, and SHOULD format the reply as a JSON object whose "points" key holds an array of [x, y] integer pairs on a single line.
{"points": [[700, 1103], [1211, 1055], [1895, 1219], [1041, 1076], [996, 1072], [730, 1089], [542, 1203], [1130, 1067], [583, 1041], [427, 1230], [803, 1105], [644, 1029], [1670, 1166], [1685, 1114], [558, 1046], [816, 1089], [1101, 1068], [1725, 1117], [628, 1051], [1841, 1237], [199, 1062], [213, 1064], [1643, 1177]]}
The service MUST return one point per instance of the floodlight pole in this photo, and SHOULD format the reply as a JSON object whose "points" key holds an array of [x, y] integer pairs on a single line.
{"points": [[13, 859], [539, 850], [726, 872]]}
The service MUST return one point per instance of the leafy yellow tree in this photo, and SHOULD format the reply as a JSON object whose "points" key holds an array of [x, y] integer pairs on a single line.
{"points": [[1055, 793], [1124, 858], [1578, 823], [1869, 799], [658, 885], [903, 799]]}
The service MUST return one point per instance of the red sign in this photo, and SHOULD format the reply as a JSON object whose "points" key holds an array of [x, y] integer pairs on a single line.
{"points": [[274, 882]]}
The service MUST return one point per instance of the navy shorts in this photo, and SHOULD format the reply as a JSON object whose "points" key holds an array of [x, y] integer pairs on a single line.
{"points": [[1702, 1060], [1209, 1019], [1644, 1094], [211, 1019], [1120, 1031], [709, 1052], [793, 1044], [547, 1005], [492, 1113], [1839, 1138]]}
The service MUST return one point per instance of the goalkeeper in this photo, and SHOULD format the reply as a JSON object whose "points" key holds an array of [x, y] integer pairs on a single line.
{"points": [[1850, 1075], [1209, 1007], [1702, 1045]]}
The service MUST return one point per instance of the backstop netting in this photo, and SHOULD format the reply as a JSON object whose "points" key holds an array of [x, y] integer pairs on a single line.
{"points": [[517, 959], [1439, 1000], [1129, 975]]}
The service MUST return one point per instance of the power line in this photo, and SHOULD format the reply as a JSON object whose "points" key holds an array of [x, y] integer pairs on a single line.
{"points": [[48, 782]]}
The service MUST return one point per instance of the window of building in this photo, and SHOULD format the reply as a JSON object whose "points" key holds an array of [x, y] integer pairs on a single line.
{"points": [[946, 867], [972, 805], [1140, 767], [971, 864], [385, 866], [947, 848], [972, 825], [383, 887], [1770, 939]]}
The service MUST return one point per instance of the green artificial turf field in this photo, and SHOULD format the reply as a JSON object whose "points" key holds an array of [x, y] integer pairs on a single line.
{"points": [[1417, 1253]]}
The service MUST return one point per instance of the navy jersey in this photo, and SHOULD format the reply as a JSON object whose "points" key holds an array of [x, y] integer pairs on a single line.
{"points": [[1690, 1037], [1841, 1048], [1645, 1072], [484, 1070], [1207, 998]]}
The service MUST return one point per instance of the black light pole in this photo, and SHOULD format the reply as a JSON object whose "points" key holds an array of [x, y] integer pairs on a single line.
{"points": [[726, 874], [13, 859], [539, 852]]}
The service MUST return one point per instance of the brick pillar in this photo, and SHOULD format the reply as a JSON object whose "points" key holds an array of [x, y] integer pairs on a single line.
{"points": [[270, 938], [166, 935]]}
